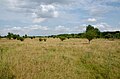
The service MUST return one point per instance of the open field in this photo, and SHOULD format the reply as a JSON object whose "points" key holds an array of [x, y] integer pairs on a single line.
{"points": [[54, 59]]}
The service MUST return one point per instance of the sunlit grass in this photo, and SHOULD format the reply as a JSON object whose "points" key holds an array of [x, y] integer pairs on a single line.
{"points": [[55, 59]]}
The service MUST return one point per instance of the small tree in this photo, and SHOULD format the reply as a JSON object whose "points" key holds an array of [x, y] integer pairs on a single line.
{"points": [[90, 35], [10, 35], [62, 38], [91, 32]]}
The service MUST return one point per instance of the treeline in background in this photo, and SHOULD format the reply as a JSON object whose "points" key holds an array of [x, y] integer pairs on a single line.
{"points": [[90, 34]]}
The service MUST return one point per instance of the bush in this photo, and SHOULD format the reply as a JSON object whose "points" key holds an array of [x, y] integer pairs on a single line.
{"points": [[21, 39], [45, 40], [40, 39], [62, 38], [31, 37]]}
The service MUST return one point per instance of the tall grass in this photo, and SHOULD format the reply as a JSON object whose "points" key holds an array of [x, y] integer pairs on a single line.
{"points": [[55, 59]]}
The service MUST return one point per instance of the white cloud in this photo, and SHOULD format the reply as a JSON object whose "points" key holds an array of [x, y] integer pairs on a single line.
{"points": [[38, 20], [62, 29], [56, 12], [46, 11], [91, 20], [23, 30], [106, 27], [38, 27], [39, 10], [50, 8]]}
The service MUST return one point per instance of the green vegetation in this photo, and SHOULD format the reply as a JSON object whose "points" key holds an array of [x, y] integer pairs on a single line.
{"points": [[62, 38], [91, 33], [15, 36], [40, 39], [45, 40], [5, 72]]}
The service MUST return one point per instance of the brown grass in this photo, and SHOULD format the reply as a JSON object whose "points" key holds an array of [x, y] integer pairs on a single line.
{"points": [[55, 59]]}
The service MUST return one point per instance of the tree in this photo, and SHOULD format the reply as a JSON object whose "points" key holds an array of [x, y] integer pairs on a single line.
{"points": [[25, 36], [10, 35], [90, 35], [0, 36], [97, 32], [91, 32]]}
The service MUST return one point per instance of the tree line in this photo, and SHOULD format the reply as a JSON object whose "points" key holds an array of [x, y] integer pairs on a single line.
{"points": [[90, 33]]}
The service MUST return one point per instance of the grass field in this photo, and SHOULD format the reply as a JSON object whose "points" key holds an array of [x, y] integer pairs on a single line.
{"points": [[54, 59]]}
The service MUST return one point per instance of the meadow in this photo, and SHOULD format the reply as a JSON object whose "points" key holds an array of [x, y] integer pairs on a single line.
{"points": [[55, 59]]}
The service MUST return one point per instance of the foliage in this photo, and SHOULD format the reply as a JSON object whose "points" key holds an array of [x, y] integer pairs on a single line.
{"points": [[14, 36], [21, 38], [40, 39], [90, 35], [45, 40], [32, 37], [91, 32], [62, 38], [10, 35], [0, 36], [25, 36]]}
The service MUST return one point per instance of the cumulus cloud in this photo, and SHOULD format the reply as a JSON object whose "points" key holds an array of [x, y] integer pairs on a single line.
{"points": [[62, 29], [47, 8], [91, 20], [23, 30], [38, 20], [38, 27], [39, 9], [56, 12], [106, 27], [46, 11]]}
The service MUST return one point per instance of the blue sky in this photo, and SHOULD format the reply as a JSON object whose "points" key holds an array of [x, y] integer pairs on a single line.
{"points": [[48, 17]]}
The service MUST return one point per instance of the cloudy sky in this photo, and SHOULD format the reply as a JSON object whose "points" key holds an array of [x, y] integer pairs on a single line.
{"points": [[48, 17]]}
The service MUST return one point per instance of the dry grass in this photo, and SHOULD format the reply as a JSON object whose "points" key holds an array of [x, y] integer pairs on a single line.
{"points": [[54, 59]]}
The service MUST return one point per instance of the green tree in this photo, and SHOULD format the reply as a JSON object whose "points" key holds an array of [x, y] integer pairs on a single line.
{"points": [[10, 35], [25, 36], [0, 36], [91, 32], [90, 35], [62, 38]]}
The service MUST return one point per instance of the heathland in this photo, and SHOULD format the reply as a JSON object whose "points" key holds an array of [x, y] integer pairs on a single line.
{"points": [[72, 58]]}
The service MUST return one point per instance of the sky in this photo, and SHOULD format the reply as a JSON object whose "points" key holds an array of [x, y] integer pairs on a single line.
{"points": [[51, 17]]}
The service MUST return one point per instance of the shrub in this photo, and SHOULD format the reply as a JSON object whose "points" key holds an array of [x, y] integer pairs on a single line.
{"points": [[45, 40], [31, 37], [21, 39], [40, 39], [62, 38]]}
